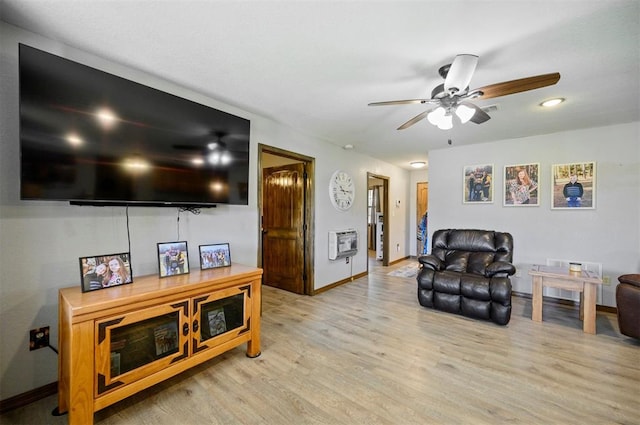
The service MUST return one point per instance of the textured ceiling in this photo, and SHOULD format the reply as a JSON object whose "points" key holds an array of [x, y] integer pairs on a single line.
{"points": [[315, 65]]}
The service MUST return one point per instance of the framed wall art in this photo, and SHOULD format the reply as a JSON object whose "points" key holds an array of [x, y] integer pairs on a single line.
{"points": [[104, 271], [173, 258], [215, 255], [477, 184], [573, 186], [521, 185]]}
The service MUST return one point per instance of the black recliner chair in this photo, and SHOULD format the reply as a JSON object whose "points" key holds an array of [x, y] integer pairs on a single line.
{"points": [[468, 273]]}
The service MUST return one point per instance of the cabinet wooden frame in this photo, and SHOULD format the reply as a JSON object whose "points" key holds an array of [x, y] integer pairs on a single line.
{"points": [[85, 352], [104, 380]]}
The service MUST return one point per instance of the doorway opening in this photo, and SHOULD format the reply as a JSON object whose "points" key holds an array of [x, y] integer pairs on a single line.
{"points": [[377, 219], [286, 219]]}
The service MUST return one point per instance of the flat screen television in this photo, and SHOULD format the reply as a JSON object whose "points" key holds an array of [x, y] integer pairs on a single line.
{"points": [[90, 137]]}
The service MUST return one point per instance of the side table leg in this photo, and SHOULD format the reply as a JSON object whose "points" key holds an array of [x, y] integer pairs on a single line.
{"points": [[536, 299], [589, 323]]}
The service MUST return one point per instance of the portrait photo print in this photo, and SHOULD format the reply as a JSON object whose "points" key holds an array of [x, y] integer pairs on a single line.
{"points": [[215, 255], [105, 271], [173, 258], [521, 185], [477, 182], [573, 185]]}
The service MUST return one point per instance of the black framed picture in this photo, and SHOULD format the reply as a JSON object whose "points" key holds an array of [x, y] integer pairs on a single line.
{"points": [[173, 258], [215, 255], [104, 271]]}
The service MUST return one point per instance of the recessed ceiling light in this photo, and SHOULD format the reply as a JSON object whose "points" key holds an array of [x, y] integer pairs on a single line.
{"points": [[552, 102], [418, 164], [347, 147]]}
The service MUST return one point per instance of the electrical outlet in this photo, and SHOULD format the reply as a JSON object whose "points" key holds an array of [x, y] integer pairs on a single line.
{"points": [[606, 280], [38, 338]]}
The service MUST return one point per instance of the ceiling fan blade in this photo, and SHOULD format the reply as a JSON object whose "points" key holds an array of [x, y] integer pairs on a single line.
{"points": [[414, 120], [517, 86], [400, 102], [460, 73], [480, 116]]}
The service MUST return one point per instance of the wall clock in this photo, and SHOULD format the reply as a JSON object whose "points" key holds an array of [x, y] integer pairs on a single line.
{"points": [[341, 190]]}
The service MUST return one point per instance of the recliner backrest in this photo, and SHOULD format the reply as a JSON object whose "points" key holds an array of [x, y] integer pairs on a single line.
{"points": [[471, 250]]}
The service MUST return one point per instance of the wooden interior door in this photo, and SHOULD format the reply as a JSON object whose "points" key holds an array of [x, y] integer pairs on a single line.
{"points": [[422, 205], [283, 227]]}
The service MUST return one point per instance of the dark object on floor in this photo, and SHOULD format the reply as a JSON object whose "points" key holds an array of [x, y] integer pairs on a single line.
{"points": [[468, 273], [628, 303]]}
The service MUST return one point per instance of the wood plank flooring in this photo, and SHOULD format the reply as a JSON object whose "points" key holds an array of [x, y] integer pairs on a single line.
{"points": [[367, 353]]}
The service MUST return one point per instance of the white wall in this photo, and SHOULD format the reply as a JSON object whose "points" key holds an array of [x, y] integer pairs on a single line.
{"points": [[608, 234], [40, 242]]}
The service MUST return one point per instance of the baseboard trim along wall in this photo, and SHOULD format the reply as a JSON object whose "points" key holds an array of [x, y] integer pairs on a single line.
{"points": [[29, 397]]}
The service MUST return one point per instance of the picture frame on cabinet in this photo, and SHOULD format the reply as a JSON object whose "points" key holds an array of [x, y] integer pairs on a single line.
{"points": [[477, 184], [522, 185], [214, 256], [104, 271], [573, 186], [173, 258]]}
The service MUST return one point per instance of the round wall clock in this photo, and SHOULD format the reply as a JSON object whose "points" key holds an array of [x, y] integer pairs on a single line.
{"points": [[341, 190]]}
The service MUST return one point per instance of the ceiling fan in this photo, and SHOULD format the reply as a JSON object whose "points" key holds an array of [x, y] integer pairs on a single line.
{"points": [[452, 96]]}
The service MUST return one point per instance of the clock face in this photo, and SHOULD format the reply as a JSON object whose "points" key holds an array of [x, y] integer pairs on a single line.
{"points": [[341, 190]]}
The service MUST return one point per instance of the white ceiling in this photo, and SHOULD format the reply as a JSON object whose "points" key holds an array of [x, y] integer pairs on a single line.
{"points": [[315, 65]]}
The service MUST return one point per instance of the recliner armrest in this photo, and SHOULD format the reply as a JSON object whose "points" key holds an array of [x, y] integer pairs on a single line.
{"points": [[431, 261], [500, 267], [631, 279]]}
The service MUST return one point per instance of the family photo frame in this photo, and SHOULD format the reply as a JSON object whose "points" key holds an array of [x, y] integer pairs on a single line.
{"points": [[573, 186], [105, 271], [215, 255], [522, 185], [173, 258], [477, 184]]}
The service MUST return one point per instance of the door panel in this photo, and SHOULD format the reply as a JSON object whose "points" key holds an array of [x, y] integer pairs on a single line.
{"points": [[283, 227], [422, 208]]}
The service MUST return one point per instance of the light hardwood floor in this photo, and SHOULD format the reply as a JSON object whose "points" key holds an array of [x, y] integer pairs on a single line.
{"points": [[367, 353]]}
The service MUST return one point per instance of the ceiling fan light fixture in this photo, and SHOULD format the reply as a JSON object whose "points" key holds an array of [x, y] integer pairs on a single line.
{"points": [[446, 123], [465, 113], [552, 102], [436, 115]]}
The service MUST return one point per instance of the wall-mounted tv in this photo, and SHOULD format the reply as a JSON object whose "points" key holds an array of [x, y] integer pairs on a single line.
{"points": [[90, 137]]}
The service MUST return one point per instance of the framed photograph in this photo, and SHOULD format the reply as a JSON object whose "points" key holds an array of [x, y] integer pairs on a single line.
{"points": [[213, 256], [217, 322], [173, 258], [573, 186], [105, 271], [477, 184], [521, 185]]}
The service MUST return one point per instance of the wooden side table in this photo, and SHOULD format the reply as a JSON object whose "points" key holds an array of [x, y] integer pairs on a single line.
{"points": [[584, 282]]}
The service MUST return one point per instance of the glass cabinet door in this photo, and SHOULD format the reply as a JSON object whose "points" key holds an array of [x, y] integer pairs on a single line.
{"points": [[220, 317], [140, 343]]}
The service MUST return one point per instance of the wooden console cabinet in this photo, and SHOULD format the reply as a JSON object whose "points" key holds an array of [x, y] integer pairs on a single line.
{"points": [[118, 341]]}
